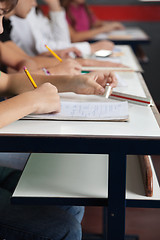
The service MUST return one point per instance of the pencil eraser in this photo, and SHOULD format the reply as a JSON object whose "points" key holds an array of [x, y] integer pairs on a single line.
{"points": [[107, 91]]}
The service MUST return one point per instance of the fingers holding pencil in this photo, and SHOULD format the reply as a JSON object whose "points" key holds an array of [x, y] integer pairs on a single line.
{"points": [[47, 96]]}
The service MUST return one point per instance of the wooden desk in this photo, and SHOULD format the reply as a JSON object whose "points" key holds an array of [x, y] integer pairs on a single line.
{"points": [[141, 135]]}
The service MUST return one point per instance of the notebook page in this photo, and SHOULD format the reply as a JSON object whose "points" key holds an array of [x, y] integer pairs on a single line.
{"points": [[99, 111]]}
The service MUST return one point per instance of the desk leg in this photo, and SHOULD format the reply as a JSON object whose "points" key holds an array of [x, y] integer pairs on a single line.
{"points": [[116, 196], [105, 214]]}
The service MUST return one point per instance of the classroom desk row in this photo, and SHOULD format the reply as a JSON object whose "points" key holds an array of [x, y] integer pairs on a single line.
{"points": [[130, 36], [133, 36], [100, 148], [122, 54]]}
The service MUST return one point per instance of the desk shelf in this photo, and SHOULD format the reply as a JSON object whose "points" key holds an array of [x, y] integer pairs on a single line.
{"points": [[79, 180]]}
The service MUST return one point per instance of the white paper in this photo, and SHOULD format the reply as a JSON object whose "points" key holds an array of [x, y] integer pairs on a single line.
{"points": [[120, 81], [99, 111], [132, 33]]}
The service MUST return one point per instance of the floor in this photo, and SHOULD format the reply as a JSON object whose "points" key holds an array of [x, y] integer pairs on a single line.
{"points": [[142, 222]]}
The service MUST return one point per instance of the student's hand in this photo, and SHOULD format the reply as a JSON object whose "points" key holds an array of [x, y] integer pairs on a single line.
{"points": [[65, 53], [112, 26], [113, 65], [93, 83], [107, 77], [54, 5], [46, 98], [66, 67], [98, 63], [108, 45]]}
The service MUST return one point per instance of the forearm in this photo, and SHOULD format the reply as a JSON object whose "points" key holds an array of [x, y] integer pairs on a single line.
{"points": [[46, 62], [14, 57], [98, 23], [12, 45], [54, 5], [83, 84], [95, 63], [16, 108], [19, 83], [29, 63], [82, 36], [64, 83]]}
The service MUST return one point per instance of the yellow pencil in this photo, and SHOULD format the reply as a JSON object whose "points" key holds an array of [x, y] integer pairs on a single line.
{"points": [[30, 77], [53, 53]]}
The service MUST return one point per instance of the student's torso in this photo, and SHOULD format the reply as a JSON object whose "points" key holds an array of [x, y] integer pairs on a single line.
{"points": [[82, 22]]}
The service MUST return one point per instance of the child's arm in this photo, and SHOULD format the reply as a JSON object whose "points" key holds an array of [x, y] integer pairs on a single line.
{"points": [[82, 84], [12, 56], [110, 25], [15, 58], [99, 63], [89, 34], [45, 98], [41, 100], [54, 5], [84, 35]]}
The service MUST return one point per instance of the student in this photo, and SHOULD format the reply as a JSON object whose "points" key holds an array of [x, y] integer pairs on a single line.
{"points": [[52, 32], [83, 24], [33, 102], [16, 59], [33, 222], [29, 222]]}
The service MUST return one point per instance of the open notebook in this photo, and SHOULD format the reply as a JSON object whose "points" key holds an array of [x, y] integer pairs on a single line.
{"points": [[87, 110]]}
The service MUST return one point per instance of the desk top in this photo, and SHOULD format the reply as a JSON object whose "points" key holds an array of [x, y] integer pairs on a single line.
{"points": [[127, 36], [126, 57], [142, 122], [139, 135]]}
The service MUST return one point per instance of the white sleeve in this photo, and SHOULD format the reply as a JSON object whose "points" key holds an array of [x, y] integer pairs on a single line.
{"points": [[24, 40], [84, 47], [27, 34], [61, 35], [37, 31], [59, 26], [43, 34]]}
